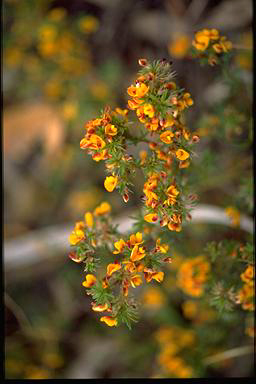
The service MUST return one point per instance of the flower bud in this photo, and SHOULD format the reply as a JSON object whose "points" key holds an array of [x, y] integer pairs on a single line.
{"points": [[143, 62], [195, 139], [125, 197], [152, 145], [168, 260], [193, 197]]}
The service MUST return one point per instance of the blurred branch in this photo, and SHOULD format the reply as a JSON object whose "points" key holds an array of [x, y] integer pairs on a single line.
{"points": [[235, 352], [40, 250]]}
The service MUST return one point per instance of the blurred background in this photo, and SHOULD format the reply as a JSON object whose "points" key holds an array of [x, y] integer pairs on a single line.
{"points": [[63, 61]]}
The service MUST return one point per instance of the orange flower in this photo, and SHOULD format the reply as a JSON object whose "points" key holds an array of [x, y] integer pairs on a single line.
{"points": [[110, 130], [111, 268], [201, 41], [132, 91], [184, 164], [181, 154], [248, 275], [103, 155], [136, 239], [166, 137], [102, 209], [136, 280], [174, 226], [133, 104], [90, 280], [79, 225], [110, 321], [119, 245], [143, 155], [110, 183], [187, 100], [179, 47], [89, 219], [130, 266], [151, 217], [149, 274], [92, 142], [137, 253], [141, 90]]}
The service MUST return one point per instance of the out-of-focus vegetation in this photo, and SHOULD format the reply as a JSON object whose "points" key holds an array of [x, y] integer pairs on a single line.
{"points": [[63, 61]]}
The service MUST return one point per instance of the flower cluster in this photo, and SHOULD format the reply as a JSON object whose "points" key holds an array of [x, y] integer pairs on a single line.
{"points": [[121, 268], [159, 104], [192, 276], [245, 295], [105, 140], [173, 340], [210, 45]]}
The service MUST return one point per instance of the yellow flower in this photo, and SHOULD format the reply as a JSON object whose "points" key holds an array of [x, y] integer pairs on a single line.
{"points": [[90, 280], [136, 280], [88, 24], [69, 110], [47, 32], [153, 297], [110, 183], [99, 308], [99, 90], [76, 236], [89, 219], [192, 276], [151, 217], [13, 57], [119, 245], [122, 112], [179, 47], [137, 253], [148, 110], [234, 216], [136, 239], [110, 130], [166, 137], [181, 154], [190, 309], [163, 248], [110, 321], [143, 155], [111, 268], [102, 209], [57, 14], [187, 100], [158, 276]]}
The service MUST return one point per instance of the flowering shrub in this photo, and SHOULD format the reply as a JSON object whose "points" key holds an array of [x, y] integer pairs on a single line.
{"points": [[116, 263]]}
